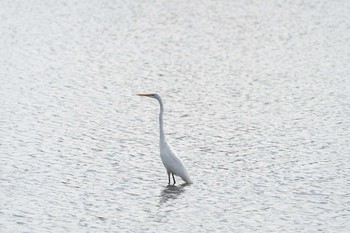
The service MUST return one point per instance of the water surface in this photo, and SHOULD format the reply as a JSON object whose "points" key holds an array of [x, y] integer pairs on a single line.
{"points": [[257, 105]]}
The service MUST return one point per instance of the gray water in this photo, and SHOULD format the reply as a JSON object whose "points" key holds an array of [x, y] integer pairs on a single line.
{"points": [[257, 105]]}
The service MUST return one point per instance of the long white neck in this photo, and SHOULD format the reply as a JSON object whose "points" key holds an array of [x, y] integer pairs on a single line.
{"points": [[161, 128]]}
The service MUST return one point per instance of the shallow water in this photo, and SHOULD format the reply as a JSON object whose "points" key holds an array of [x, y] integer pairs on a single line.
{"points": [[257, 105]]}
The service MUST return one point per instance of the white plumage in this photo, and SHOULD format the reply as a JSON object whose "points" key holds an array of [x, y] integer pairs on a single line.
{"points": [[171, 161]]}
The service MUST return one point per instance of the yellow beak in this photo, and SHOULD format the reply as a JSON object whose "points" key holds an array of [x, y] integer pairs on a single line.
{"points": [[143, 94]]}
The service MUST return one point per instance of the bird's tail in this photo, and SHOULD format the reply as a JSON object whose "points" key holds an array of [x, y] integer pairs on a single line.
{"points": [[186, 178]]}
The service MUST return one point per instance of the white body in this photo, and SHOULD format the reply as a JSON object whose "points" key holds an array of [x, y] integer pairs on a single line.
{"points": [[171, 161]]}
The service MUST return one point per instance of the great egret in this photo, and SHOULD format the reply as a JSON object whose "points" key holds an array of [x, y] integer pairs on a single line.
{"points": [[171, 161]]}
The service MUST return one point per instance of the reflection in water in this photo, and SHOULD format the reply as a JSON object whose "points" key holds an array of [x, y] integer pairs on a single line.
{"points": [[171, 192]]}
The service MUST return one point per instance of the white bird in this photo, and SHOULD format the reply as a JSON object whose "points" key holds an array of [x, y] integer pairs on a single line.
{"points": [[171, 161]]}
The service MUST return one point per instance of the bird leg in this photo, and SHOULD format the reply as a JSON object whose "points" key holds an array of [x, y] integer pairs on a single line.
{"points": [[169, 178], [173, 178]]}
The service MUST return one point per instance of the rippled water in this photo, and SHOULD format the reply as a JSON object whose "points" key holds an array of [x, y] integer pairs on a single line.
{"points": [[257, 104]]}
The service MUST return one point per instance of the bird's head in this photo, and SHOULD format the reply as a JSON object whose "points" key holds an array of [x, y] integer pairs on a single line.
{"points": [[154, 96]]}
